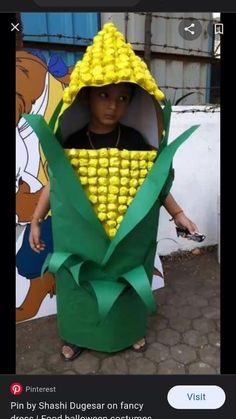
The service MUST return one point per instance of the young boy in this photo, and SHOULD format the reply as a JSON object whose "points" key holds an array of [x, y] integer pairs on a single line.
{"points": [[107, 105]]}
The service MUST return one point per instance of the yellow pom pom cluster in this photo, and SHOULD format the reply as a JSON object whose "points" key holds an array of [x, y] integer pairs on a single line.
{"points": [[110, 60], [111, 178]]}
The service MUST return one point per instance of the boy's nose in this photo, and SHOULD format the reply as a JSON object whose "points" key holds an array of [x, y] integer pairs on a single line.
{"points": [[112, 104]]}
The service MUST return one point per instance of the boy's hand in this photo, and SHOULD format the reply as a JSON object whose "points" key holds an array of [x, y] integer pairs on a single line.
{"points": [[36, 244], [184, 222]]}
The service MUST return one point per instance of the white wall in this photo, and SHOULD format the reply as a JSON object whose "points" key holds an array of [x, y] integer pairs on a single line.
{"points": [[197, 178]]}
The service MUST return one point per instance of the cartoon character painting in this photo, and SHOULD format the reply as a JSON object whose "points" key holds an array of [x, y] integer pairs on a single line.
{"points": [[39, 88]]}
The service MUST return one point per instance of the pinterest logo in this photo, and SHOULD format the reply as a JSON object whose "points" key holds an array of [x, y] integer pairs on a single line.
{"points": [[16, 389]]}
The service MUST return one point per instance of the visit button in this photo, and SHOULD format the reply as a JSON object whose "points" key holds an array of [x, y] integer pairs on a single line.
{"points": [[196, 397]]}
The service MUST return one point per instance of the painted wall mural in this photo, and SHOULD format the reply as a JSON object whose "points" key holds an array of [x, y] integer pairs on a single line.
{"points": [[39, 87]]}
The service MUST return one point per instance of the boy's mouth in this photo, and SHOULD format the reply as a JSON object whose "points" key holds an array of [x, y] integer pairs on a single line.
{"points": [[109, 116]]}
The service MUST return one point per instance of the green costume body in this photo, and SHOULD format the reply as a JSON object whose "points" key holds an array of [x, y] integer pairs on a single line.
{"points": [[104, 286]]}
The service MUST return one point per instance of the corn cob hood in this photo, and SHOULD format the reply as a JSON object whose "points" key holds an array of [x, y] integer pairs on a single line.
{"points": [[110, 60]]}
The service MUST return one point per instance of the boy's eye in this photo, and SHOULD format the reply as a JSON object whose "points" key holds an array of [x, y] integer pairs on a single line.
{"points": [[123, 98], [103, 95]]}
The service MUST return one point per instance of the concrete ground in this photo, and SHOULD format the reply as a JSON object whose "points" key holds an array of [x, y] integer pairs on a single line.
{"points": [[183, 338]]}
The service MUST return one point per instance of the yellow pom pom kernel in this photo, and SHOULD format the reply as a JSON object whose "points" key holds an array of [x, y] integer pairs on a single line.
{"points": [[97, 53], [84, 68], [114, 162], [97, 38], [86, 78], [111, 197], [122, 55], [112, 232], [159, 95], [152, 155], [93, 189], [122, 209], [139, 76], [134, 164], [134, 155], [93, 162], [114, 180], [113, 171], [120, 219], [102, 190], [133, 183], [83, 154], [102, 181], [102, 216], [93, 153], [110, 52], [110, 77], [125, 154], [149, 165], [114, 152], [119, 43], [83, 180], [107, 59], [67, 98], [143, 155], [143, 173], [98, 68], [124, 181], [113, 189], [102, 172], [111, 223], [124, 172], [122, 199], [124, 191], [103, 162], [93, 199], [92, 180], [103, 152], [143, 164], [92, 171], [109, 68], [73, 88], [102, 208], [102, 199], [75, 162], [111, 207], [140, 181], [83, 171], [134, 173], [73, 153], [111, 215], [125, 164], [132, 191], [129, 200], [125, 73], [83, 162]]}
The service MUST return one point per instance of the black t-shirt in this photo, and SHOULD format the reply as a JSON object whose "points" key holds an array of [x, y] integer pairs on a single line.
{"points": [[130, 139]]}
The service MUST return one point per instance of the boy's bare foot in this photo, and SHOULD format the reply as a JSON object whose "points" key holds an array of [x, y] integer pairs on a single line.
{"points": [[69, 351], [140, 346]]}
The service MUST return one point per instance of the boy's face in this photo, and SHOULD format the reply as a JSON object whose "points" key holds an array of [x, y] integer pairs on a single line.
{"points": [[108, 104]]}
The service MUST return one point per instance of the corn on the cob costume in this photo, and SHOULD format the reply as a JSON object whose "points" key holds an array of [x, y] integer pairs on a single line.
{"points": [[105, 204]]}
